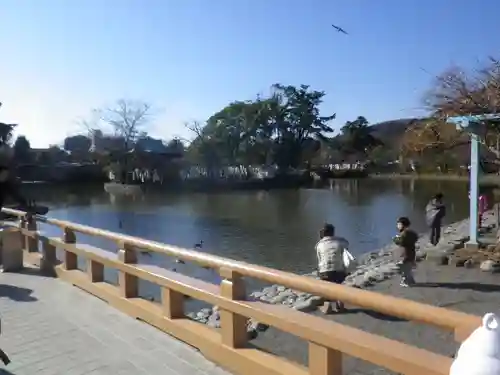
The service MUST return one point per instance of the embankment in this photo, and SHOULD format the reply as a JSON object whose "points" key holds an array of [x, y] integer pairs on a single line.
{"points": [[374, 267]]}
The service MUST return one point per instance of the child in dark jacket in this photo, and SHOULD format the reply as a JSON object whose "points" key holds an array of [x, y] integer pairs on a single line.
{"points": [[406, 240]]}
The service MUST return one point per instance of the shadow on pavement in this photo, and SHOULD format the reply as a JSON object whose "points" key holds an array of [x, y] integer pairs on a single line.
{"points": [[472, 286], [31, 271], [5, 372], [36, 271], [373, 314], [16, 293]]}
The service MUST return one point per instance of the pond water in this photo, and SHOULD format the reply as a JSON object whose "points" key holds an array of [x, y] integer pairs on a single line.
{"points": [[273, 228]]}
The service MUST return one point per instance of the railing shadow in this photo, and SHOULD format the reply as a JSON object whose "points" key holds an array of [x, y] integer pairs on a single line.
{"points": [[16, 293], [30, 271], [467, 285], [373, 314]]}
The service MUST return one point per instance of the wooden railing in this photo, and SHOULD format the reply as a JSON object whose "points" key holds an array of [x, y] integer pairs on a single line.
{"points": [[328, 341]]}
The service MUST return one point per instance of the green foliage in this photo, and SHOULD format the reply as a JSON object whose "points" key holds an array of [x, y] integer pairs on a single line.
{"points": [[175, 146], [6, 131], [22, 150], [77, 144], [285, 128], [358, 137]]}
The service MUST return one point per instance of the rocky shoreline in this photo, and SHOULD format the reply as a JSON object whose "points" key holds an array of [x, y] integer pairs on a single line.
{"points": [[373, 267]]}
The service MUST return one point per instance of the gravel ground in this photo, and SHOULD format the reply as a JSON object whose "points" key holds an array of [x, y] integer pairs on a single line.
{"points": [[463, 289], [467, 290]]}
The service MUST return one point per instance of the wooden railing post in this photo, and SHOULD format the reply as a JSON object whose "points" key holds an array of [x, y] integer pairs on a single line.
{"points": [[31, 244], [173, 303], [128, 284], [49, 256], [233, 326], [22, 226], [95, 271], [70, 259], [324, 361], [22, 223]]}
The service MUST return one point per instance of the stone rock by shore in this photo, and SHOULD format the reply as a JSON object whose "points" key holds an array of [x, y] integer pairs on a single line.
{"points": [[373, 268]]}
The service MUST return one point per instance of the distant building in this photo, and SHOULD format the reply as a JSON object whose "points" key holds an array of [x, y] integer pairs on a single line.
{"points": [[106, 143], [51, 155], [150, 144]]}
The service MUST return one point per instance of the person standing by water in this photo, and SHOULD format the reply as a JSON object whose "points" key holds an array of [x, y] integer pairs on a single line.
{"points": [[406, 240], [482, 206], [435, 211], [330, 252]]}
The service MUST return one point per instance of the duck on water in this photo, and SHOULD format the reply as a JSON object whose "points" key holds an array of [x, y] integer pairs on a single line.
{"points": [[197, 245]]}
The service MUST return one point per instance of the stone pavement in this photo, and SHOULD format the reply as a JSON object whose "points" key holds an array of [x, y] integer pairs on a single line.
{"points": [[467, 290], [50, 327]]}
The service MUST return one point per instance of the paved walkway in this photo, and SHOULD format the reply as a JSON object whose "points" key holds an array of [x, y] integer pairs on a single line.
{"points": [[467, 290], [50, 327]]}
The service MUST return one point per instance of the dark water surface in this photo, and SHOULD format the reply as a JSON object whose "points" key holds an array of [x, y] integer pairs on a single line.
{"points": [[274, 228]]}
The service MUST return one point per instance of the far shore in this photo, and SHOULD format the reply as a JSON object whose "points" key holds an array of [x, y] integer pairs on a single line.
{"points": [[493, 178]]}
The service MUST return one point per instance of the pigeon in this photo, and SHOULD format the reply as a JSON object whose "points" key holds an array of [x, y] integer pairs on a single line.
{"points": [[4, 357]]}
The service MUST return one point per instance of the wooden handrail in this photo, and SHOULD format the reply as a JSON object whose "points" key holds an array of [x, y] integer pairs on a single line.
{"points": [[328, 341], [459, 323]]}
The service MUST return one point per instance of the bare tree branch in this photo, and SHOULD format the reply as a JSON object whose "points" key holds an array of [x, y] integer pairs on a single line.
{"points": [[460, 93], [195, 127], [431, 134], [127, 119], [457, 92], [89, 125]]}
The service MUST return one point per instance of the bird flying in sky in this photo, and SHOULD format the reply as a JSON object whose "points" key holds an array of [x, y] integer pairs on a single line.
{"points": [[339, 29]]}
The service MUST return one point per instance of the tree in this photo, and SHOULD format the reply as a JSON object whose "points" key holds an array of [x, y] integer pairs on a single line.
{"points": [[175, 146], [357, 137], [432, 141], [127, 120], [297, 120], [203, 148], [234, 130], [431, 135], [52, 155], [6, 131], [118, 129], [457, 93], [22, 150], [77, 144], [284, 128]]}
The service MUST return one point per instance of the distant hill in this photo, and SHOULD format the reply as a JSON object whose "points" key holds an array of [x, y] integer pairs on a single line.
{"points": [[393, 130], [391, 133]]}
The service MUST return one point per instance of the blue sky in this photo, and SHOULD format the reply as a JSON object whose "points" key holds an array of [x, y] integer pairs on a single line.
{"points": [[61, 58]]}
